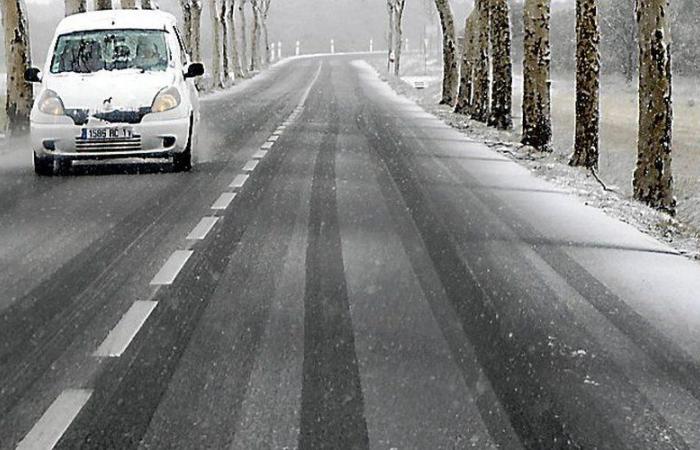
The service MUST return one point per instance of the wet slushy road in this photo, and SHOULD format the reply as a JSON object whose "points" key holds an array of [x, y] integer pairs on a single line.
{"points": [[340, 270]]}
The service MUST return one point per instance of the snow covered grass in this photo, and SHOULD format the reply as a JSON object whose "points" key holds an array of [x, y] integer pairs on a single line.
{"points": [[618, 152]]}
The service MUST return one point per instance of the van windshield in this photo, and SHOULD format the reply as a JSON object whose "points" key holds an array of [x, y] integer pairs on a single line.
{"points": [[96, 50]]}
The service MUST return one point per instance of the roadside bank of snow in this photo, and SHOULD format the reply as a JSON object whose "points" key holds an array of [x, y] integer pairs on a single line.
{"points": [[554, 168]]}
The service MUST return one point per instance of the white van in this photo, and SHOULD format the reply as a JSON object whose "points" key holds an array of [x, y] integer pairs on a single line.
{"points": [[117, 84]]}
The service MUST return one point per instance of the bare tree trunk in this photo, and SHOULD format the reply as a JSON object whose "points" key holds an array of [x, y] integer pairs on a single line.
{"points": [[264, 7], [450, 70], [75, 7], [502, 90], [216, 44], [103, 4], [482, 66], [266, 39], [586, 143], [235, 57], [653, 178], [147, 4], [244, 34], [537, 120], [195, 30], [223, 10], [466, 87], [186, 6], [391, 9], [128, 4], [400, 4], [255, 34], [18, 58]]}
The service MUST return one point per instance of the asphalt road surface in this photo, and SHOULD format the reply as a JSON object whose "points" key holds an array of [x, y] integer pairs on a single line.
{"points": [[340, 270]]}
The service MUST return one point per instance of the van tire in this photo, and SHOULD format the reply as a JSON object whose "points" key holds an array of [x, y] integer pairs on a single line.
{"points": [[182, 162], [43, 165]]}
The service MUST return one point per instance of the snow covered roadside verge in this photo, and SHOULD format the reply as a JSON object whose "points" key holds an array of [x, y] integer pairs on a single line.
{"points": [[242, 84], [554, 168]]}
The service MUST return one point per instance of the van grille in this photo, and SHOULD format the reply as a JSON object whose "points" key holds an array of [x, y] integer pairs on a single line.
{"points": [[111, 145]]}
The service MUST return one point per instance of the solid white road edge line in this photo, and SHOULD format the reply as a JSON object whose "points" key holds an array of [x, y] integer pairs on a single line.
{"points": [[172, 268], [239, 181], [48, 430], [224, 201], [117, 341], [202, 229]]}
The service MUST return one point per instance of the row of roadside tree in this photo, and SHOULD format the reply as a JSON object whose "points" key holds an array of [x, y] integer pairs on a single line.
{"points": [[478, 80]]}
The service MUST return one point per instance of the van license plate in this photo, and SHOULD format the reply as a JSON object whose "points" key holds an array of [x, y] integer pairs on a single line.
{"points": [[107, 134]]}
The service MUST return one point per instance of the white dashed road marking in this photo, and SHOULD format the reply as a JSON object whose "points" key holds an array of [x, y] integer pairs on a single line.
{"points": [[239, 181], [267, 145], [260, 154], [172, 268], [273, 138], [224, 201], [121, 336], [250, 166], [202, 229], [48, 430]]}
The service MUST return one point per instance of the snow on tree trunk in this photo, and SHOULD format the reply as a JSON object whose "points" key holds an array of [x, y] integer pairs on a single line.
{"points": [[103, 4], [482, 65], [224, 42], [216, 44], [264, 7], [186, 6], [128, 4], [502, 88], [398, 35], [653, 179], [537, 120], [195, 30], [266, 39], [75, 7], [450, 77], [243, 35], [586, 142], [466, 87], [18, 58], [255, 35], [391, 9], [235, 56]]}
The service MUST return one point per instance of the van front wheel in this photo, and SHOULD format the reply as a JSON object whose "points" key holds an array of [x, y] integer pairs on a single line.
{"points": [[43, 165], [182, 162]]}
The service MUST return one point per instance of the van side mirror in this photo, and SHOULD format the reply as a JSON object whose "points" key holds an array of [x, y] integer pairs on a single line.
{"points": [[194, 70], [32, 75]]}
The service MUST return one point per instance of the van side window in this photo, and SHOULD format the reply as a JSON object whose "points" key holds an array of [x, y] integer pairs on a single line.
{"points": [[183, 51]]}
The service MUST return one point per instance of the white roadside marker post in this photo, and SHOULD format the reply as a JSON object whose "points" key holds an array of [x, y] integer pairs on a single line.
{"points": [[272, 52], [371, 45], [332, 46], [279, 50], [298, 50]]}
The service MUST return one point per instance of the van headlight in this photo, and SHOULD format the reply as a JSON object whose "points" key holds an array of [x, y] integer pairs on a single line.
{"points": [[50, 103], [167, 99]]}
